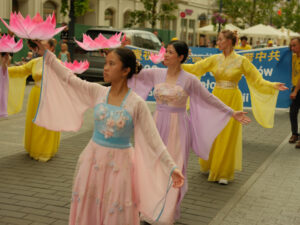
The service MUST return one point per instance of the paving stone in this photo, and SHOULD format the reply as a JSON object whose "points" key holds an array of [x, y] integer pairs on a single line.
{"points": [[43, 190]]}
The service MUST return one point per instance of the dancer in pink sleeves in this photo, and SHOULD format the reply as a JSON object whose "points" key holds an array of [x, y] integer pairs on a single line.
{"points": [[114, 182], [179, 130], [3, 84], [7, 45]]}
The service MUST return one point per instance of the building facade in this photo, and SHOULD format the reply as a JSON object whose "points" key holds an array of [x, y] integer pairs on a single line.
{"points": [[190, 15]]}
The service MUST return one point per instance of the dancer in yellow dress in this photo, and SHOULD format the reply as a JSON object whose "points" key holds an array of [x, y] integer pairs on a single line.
{"points": [[227, 68], [40, 143]]}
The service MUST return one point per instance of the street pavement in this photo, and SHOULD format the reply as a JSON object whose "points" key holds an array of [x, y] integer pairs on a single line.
{"points": [[266, 192]]}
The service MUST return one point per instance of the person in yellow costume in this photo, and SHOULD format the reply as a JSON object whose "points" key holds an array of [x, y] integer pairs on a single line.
{"points": [[226, 153], [244, 44], [295, 94], [40, 143]]}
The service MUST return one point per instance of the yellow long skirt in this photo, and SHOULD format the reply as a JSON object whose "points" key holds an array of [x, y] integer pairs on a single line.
{"points": [[226, 153], [40, 143]]}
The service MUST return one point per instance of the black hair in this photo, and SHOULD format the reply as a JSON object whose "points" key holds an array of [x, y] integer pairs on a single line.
{"points": [[51, 42], [4, 53], [128, 60], [32, 44], [244, 38], [181, 48]]}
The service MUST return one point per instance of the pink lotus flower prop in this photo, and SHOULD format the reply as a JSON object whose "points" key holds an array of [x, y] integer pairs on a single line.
{"points": [[157, 58], [100, 42], [77, 67], [34, 28], [8, 44]]}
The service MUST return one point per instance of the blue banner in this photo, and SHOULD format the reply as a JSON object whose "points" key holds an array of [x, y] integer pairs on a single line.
{"points": [[275, 64]]}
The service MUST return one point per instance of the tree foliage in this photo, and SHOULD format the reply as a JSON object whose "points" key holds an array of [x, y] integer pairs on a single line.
{"points": [[80, 6], [250, 12], [290, 16], [152, 13]]}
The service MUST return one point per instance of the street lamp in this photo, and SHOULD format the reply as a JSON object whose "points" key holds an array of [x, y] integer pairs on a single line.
{"points": [[71, 25], [220, 12]]}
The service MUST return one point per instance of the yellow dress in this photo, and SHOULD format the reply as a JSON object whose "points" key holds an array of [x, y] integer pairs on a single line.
{"points": [[226, 153], [40, 143]]}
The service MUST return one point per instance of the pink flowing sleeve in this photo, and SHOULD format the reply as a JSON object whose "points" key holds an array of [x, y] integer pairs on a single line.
{"points": [[143, 82], [154, 167], [3, 91], [64, 97], [208, 117]]}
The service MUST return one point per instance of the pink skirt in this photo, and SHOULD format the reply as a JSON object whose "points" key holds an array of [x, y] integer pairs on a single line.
{"points": [[103, 191]]}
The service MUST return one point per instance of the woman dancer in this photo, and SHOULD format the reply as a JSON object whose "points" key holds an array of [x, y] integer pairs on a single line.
{"points": [[40, 143], [180, 131], [4, 58], [113, 181], [228, 67]]}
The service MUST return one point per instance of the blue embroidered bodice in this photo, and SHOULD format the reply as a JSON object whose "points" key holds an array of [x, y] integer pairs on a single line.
{"points": [[113, 125]]}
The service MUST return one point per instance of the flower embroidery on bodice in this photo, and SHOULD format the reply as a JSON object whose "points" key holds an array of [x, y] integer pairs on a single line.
{"points": [[170, 94], [113, 125], [112, 120]]}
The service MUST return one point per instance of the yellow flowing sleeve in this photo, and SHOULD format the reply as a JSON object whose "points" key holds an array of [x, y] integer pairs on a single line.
{"points": [[17, 82], [263, 94], [201, 67]]}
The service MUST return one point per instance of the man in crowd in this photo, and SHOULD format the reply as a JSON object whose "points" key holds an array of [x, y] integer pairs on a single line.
{"points": [[244, 44], [295, 95]]}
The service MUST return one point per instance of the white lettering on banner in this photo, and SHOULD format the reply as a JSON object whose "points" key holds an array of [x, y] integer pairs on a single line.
{"points": [[265, 71], [246, 97], [209, 84]]}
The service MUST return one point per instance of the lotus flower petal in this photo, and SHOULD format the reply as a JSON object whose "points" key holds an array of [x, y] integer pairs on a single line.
{"points": [[35, 28], [114, 41], [77, 67], [8, 44], [100, 42], [100, 38], [124, 38], [157, 58]]}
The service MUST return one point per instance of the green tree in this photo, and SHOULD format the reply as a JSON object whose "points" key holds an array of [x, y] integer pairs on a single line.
{"points": [[290, 16], [80, 6], [152, 13], [250, 12], [237, 10]]}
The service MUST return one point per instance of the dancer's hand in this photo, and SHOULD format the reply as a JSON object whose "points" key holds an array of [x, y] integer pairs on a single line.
{"points": [[41, 47], [280, 86], [178, 178], [293, 95], [241, 117]]}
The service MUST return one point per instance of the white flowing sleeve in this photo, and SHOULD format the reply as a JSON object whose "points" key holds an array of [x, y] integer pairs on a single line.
{"points": [[154, 166], [143, 82], [64, 97]]}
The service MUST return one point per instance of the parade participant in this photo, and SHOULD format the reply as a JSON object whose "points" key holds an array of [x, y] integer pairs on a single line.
{"points": [[244, 44], [270, 44], [295, 96], [64, 54], [227, 68], [179, 130], [113, 180], [4, 58], [40, 143]]}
